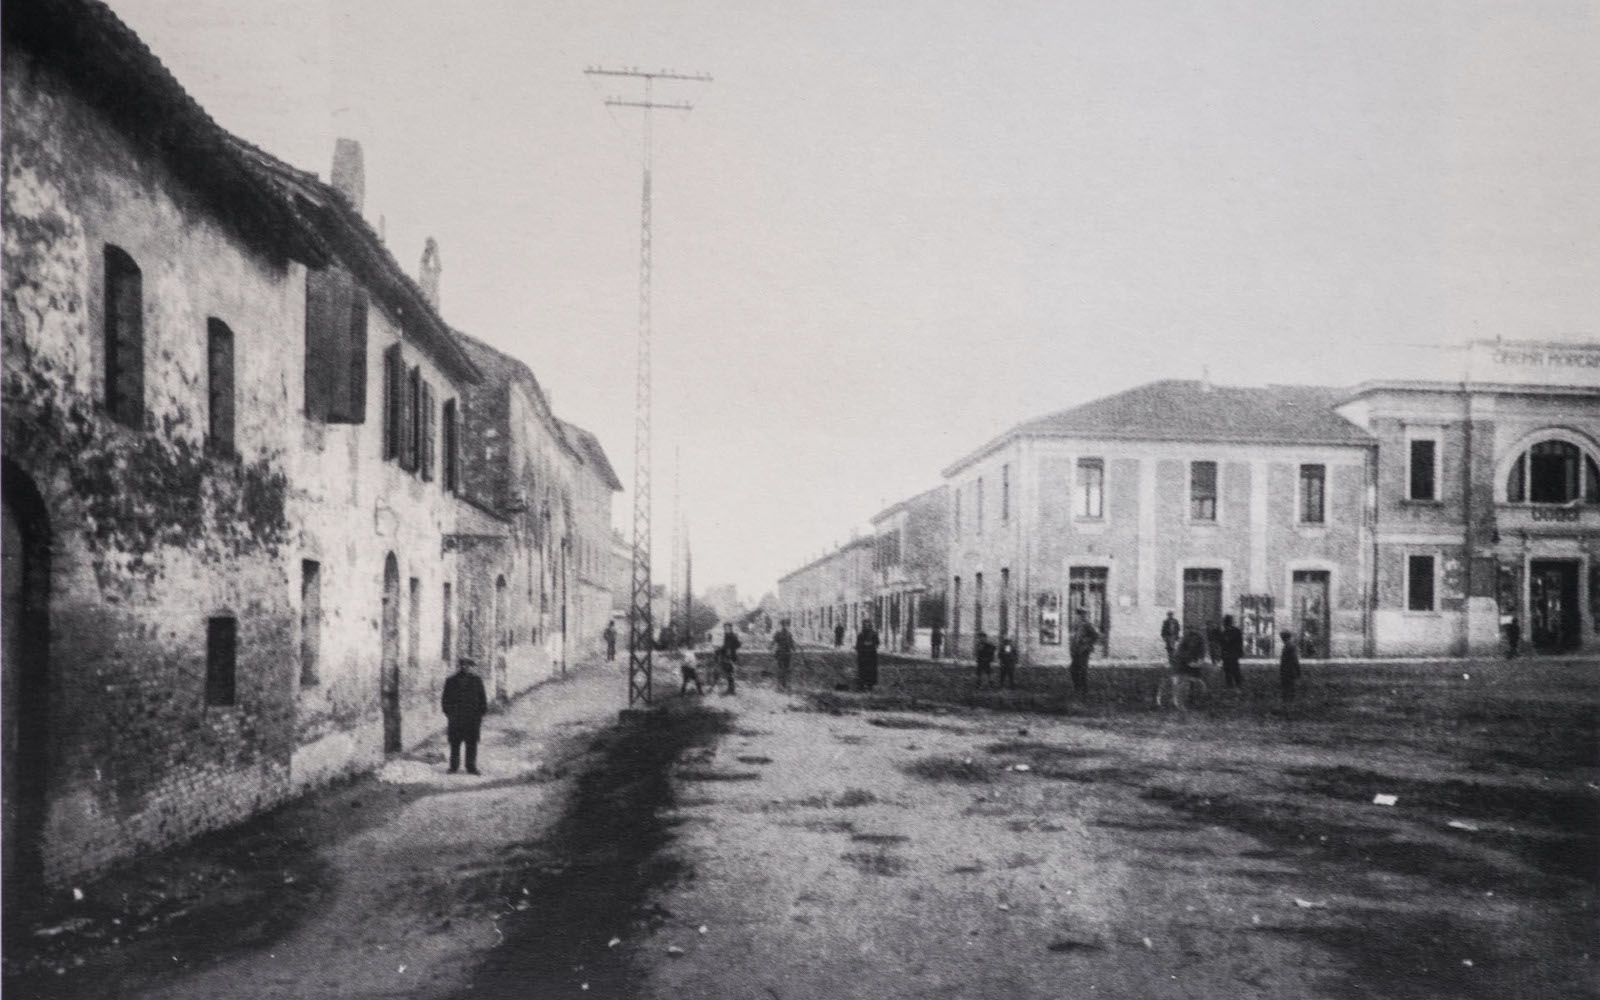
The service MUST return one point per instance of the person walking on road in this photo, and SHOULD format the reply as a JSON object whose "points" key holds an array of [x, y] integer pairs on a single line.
{"points": [[936, 641], [1232, 649], [610, 635], [838, 634], [465, 704], [866, 656], [1513, 637], [729, 654], [782, 651], [1084, 638], [984, 651], [1288, 664], [1008, 663], [687, 665], [1170, 631]]}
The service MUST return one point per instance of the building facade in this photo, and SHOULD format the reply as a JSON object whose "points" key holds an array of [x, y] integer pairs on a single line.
{"points": [[836, 589], [911, 542]]}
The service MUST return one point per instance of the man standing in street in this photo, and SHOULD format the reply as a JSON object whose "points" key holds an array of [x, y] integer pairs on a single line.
{"points": [[838, 634], [936, 641], [1170, 630], [730, 653], [983, 651], [1288, 665], [1008, 663], [1232, 643], [1084, 638], [782, 651], [465, 705], [866, 656], [611, 640]]}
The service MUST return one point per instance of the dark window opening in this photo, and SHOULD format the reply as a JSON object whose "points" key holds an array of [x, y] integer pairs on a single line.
{"points": [[426, 430], [1423, 458], [1203, 491], [394, 392], [222, 648], [1313, 480], [124, 338], [219, 387], [1419, 583], [310, 621]]}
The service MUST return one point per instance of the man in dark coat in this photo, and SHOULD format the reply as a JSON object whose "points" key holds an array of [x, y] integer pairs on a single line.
{"points": [[465, 705], [1084, 638], [1232, 650], [936, 641], [1288, 665], [1008, 663], [610, 635], [1170, 631], [729, 651], [983, 652], [838, 634], [783, 652], [866, 656]]}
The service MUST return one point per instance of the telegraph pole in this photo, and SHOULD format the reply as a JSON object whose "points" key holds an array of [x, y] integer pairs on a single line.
{"points": [[641, 632]]}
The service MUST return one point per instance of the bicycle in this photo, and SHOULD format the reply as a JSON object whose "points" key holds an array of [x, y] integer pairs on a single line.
{"points": [[1194, 691]]}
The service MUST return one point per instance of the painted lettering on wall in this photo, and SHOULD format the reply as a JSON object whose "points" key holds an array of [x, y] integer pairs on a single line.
{"points": [[1542, 357]]}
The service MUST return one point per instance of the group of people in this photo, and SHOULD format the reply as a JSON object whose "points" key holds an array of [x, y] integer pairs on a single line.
{"points": [[1188, 648], [724, 659]]}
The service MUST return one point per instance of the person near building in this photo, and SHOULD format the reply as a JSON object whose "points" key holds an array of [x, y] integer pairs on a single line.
{"points": [[610, 635], [1231, 648], [465, 703], [1288, 664], [983, 651], [866, 656], [1170, 631], [838, 634], [783, 652], [1084, 638], [1513, 637], [936, 641], [1008, 663]]}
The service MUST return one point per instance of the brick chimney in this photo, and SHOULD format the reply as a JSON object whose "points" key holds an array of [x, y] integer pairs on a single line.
{"points": [[428, 273], [348, 175]]}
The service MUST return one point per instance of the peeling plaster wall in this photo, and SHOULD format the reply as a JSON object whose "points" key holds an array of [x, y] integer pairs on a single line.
{"points": [[150, 534]]}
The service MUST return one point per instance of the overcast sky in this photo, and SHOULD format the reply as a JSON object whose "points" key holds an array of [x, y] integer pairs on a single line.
{"points": [[890, 230]]}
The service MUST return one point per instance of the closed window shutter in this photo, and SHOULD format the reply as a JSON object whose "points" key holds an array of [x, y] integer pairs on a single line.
{"points": [[326, 293], [408, 419], [427, 432], [394, 392], [352, 373], [452, 474], [219, 355]]}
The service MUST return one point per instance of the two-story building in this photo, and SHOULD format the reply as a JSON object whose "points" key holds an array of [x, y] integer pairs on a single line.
{"points": [[833, 590], [911, 542]]}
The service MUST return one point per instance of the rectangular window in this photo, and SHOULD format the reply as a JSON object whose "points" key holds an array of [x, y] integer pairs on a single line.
{"points": [[124, 338], [1090, 495], [451, 447], [1086, 593], [394, 399], [1313, 479], [1419, 583], [1202, 491], [310, 621], [1423, 467], [447, 626], [222, 648], [1050, 618], [977, 603], [219, 387], [1005, 492]]}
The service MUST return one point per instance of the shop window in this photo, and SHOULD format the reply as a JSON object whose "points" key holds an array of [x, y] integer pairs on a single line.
{"points": [[124, 338], [1419, 583], [219, 387], [1202, 491], [222, 650], [1313, 479], [1553, 472], [1090, 494], [1422, 470]]}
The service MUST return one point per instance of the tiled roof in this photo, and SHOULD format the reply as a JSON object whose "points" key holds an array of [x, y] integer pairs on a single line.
{"points": [[589, 446], [500, 368], [358, 247], [116, 72], [1184, 410]]}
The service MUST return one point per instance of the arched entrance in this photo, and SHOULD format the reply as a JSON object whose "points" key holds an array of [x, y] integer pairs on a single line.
{"points": [[25, 550], [389, 668]]}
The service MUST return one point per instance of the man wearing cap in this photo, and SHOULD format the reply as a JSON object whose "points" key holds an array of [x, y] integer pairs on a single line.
{"points": [[465, 705]]}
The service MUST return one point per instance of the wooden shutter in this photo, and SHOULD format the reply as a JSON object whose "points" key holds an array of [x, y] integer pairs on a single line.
{"points": [[219, 386], [427, 432], [124, 341], [409, 393], [351, 398], [394, 393], [451, 472], [327, 292]]}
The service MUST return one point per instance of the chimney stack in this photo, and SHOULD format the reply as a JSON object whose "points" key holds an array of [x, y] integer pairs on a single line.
{"points": [[428, 274], [349, 177]]}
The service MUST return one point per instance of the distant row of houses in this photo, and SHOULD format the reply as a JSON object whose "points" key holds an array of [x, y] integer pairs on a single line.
{"points": [[1395, 518], [258, 495]]}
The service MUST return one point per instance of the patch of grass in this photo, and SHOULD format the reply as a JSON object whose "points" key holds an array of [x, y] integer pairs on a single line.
{"points": [[853, 797], [945, 768], [876, 863]]}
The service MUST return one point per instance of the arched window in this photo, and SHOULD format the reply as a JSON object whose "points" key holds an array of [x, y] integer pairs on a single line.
{"points": [[124, 340], [1553, 471]]}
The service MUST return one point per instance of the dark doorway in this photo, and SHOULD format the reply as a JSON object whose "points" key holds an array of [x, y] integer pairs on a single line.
{"points": [[1554, 622], [389, 668], [1202, 598], [1086, 592], [1311, 612], [26, 699]]}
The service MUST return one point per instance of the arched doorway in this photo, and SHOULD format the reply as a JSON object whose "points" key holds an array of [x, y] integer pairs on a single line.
{"points": [[25, 550], [389, 668]]}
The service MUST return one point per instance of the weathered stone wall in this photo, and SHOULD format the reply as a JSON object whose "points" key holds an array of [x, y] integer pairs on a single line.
{"points": [[151, 535]]}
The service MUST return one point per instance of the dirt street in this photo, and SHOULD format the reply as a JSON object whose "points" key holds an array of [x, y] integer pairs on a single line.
{"points": [[927, 840]]}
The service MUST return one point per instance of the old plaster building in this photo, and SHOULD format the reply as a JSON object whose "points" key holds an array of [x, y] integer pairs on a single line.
{"points": [[911, 542]]}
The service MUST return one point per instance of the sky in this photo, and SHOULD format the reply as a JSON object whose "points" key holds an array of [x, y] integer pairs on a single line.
{"points": [[890, 230]]}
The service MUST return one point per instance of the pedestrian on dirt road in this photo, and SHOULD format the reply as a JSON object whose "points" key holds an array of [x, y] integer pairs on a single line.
{"points": [[866, 656], [983, 651], [1170, 631], [610, 635], [838, 634], [1084, 638], [936, 641], [1288, 664], [688, 666], [782, 651], [1513, 637], [465, 704], [1231, 646], [1008, 663], [730, 644]]}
